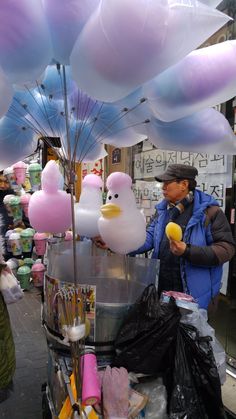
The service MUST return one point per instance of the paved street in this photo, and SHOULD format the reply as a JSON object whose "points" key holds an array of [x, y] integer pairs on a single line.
{"points": [[31, 359]]}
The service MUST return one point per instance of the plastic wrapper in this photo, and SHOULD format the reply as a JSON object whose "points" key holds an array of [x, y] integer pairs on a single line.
{"points": [[157, 399], [199, 320], [183, 301], [147, 335]]}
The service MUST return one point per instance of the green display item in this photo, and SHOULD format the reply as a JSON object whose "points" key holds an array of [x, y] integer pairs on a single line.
{"points": [[30, 230], [35, 171], [16, 209], [14, 200], [26, 239], [33, 167], [23, 274], [28, 262]]}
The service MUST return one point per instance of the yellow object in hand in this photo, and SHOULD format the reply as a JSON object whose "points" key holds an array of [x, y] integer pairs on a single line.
{"points": [[174, 231]]}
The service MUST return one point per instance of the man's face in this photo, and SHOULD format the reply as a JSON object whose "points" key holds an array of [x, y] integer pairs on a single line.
{"points": [[174, 190]]}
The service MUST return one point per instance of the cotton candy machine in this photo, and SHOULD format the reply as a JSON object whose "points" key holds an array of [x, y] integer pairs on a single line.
{"points": [[111, 283]]}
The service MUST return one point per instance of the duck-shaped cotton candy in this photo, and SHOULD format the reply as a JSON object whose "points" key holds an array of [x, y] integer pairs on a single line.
{"points": [[87, 210], [50, 208], [122, 226]]}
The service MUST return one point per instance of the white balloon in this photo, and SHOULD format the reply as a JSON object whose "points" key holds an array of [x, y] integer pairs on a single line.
{"points": [[87, 210], [126, 231]]}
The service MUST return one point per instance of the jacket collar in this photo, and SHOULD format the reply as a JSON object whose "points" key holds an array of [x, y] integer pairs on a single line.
{"points": [[200, 203]]}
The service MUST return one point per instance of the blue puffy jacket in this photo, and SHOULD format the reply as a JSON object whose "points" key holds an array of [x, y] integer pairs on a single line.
{"points": [[211, 244]]}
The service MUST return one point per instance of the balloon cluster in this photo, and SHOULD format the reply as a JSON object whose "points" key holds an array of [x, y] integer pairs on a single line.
{"points": [[120, 86]]}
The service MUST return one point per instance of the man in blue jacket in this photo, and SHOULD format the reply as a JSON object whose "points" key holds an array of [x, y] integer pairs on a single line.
{"points": [[194, 265]]}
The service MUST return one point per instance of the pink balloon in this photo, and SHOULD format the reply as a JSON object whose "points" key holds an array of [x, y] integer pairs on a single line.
{"points": [[50, 208]]}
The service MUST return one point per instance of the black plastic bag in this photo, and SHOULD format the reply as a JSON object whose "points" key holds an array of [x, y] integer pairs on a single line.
{"points": [[184, 401], [197, 389], [147, 334]]}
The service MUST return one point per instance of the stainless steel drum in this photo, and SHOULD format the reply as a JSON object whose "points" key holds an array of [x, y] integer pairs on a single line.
{"points": [[117, 282]]}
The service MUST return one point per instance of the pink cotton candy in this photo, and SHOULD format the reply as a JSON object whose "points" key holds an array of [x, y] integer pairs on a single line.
{"points": [[50, 208], [117, 180], [20, 172], [19, 165], [40, 236], [51, 177]]}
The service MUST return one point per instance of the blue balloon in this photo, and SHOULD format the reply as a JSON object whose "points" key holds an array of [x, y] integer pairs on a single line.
{"points": [[137, 109], [53, 83], [45, 116], [22, 102], [16, 141]]}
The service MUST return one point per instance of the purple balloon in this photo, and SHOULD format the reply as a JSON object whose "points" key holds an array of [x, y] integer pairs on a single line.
{"points": [[207, 130], [25, 44], [66, 20], [125, 43], [206, 77]]}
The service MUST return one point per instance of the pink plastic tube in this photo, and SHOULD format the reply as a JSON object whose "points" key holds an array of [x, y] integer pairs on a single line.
{"points": [[91, 389]]}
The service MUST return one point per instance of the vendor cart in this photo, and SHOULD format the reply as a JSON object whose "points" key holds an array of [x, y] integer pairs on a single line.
{"points": [[111, 284]]}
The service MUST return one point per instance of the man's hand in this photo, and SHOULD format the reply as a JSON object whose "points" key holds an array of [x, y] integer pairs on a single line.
{"points": [[99, 242], [177, 248]]}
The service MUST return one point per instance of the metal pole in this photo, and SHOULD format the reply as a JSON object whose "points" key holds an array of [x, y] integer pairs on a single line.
{"points": [[75, 346]]}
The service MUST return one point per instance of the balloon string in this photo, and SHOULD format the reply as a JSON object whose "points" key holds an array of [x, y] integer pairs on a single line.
{"points": [[84, 145], [82, 108], [113, 122], [82, 126], [41, 132]]}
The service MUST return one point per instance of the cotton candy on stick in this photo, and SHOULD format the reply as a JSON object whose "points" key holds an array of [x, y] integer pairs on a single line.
{"points": [[122, 226], [50, 208]]}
